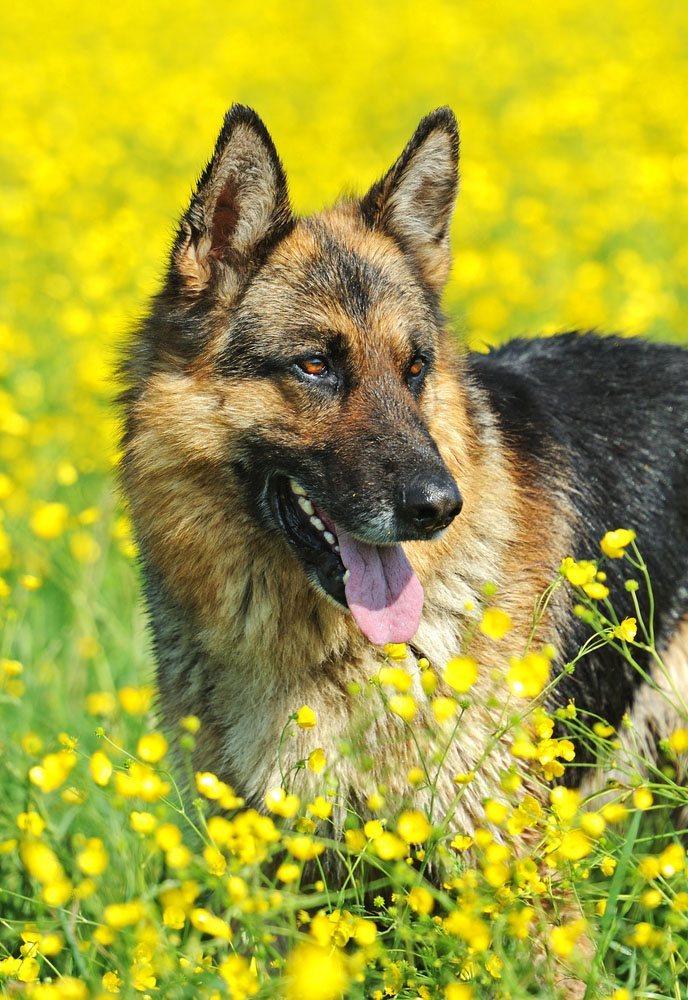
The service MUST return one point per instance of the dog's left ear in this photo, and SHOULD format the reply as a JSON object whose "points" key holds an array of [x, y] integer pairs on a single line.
{"points": [[413, 203]]}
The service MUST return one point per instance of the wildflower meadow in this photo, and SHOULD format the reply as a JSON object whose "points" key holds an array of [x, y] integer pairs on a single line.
{"points": [[123, 872]]}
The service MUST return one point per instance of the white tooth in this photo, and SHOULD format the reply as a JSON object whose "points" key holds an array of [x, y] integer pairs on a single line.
{"points": [[345, 578], [336, 548], [329, 537], [305, 505], [317, 523], [297, 488]]}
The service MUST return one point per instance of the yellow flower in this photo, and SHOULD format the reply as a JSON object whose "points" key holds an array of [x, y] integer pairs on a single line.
{"points": [[413, 827], [614, 543], [40, 862], [470, 928], [282, 804], [575, 845], [84, 547], [142, 822], [317, 760], [495, 623], [320, 808], [101, 703], [136, 700], [565, 802], [53, 771], [678, 741], [152, 747], [49, 520], [355, 840], [496, 812], [563, 939], [93, 859], [240, 977], [111, 982], [303, 848], [527, 677], [596, 590], [642, 798], [389, 847], [627, 630], [443, 709], [100, 767], [614, 812], [396, 650], [168, 836], [141, 781], [395, 677], [288, 872], [206, 922], [458, 991], [120, 915], [404, 706], [31, 822], [420, 900], [305, 717], [672, 860], [578, 573], [593, 824], [315, 973]]}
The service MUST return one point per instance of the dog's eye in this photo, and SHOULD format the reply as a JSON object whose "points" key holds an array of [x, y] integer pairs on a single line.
{"points": [[315, 366], [416, 368]]}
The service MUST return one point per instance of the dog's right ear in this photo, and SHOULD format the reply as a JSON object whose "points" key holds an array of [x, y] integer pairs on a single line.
{"points": [[239, 210]]}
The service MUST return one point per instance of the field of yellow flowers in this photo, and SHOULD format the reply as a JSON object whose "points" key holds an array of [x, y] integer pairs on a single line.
{"points": [[573, 213]]}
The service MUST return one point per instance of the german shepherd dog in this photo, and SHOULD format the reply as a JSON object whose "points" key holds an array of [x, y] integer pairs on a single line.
{"points": [[314, 470]]}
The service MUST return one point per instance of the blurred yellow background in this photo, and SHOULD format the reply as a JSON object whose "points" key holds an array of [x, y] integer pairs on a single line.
{"points": [[574, 203]]}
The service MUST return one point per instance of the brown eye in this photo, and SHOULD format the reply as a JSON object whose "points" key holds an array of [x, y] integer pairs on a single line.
{"points": [[314, 366], [416, 367]]}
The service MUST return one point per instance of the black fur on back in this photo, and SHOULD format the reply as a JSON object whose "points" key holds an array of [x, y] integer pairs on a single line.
{"points": [[606, 420]]}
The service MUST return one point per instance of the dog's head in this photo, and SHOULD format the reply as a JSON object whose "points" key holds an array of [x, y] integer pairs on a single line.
{"points": [[310, 348]]}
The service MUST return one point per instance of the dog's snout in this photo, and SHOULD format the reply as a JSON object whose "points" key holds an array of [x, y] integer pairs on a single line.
{"points": [[429, 503]]}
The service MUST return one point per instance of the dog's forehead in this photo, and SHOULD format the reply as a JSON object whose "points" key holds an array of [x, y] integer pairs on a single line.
{"points": [[333, 272]]}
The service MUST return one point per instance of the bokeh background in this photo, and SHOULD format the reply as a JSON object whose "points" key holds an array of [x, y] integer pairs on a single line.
{"points": [[573, 213]]}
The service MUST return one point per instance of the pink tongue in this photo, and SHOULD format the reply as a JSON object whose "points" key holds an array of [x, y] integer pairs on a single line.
{"points": [[383, 593]]}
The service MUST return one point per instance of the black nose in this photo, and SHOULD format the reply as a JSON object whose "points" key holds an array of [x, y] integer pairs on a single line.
{"points": [[429, 503]]}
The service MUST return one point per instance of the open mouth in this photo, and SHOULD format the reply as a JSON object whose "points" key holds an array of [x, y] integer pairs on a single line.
{"points": [[375, 582]]}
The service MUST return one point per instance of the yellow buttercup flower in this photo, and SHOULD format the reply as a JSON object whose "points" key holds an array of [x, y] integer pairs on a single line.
{"points": [[495, 623], [627, 630], [152, 747], [461, 673], [527, 677], [615, 543], [396, 650], [305, 717], [413, 827], [564, 939], [315, 973], [49, 521], [317, 760], [396, 677], [404, 706], [100, 767]]}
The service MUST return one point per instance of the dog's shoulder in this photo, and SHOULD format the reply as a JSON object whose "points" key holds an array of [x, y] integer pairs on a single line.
{"points": [[572, 386]]}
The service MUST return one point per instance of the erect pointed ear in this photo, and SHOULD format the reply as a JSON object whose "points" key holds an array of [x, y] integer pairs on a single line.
{"points": [[414, 201], [239, 210]]}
